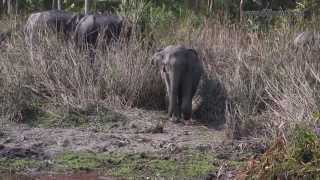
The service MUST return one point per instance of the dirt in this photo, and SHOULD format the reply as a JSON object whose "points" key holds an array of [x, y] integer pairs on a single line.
{"points": [[138, 135], [143, 132]]}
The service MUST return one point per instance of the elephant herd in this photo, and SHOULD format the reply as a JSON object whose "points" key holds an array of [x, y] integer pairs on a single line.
{"points": [[84, 29]]}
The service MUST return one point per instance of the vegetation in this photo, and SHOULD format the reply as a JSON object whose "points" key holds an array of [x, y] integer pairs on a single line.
{"points": [[18, 164], [262, 86], [188, 164], [296, 159]]}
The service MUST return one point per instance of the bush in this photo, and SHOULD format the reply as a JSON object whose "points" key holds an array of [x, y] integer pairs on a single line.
{"points": [[297, 158]]}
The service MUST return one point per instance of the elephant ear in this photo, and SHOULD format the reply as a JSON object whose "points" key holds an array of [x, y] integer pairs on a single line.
{"points": [[157, 58]]}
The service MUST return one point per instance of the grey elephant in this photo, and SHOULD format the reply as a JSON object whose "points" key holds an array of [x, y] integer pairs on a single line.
{"points": [[107, 27], [306, 39], [90, 27], [56, 20], [59, 22], [181, 70]]}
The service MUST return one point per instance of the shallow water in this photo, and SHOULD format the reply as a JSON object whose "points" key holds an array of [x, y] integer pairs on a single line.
{"points": [[78, 176]]}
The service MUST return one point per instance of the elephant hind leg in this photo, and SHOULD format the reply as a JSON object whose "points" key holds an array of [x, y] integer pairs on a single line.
{"points": [[195, 82], [189, 89]]}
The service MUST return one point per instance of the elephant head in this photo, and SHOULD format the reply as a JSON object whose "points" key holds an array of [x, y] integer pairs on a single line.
{"points": [[158, 57]]}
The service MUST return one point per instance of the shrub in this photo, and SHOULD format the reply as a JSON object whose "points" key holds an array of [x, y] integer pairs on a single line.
{"points": [[298, 158]]}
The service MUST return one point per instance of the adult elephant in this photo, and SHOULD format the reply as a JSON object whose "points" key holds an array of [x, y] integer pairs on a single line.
{"points": [[55, 20], [90, 27], [108, 28], [181, 69], [59, 22]]}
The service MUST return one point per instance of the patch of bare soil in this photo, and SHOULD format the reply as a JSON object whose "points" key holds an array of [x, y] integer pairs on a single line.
{"points": [[143, 133]]}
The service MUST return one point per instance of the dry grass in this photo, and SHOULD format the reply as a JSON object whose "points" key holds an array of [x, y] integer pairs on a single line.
{"points": [[255, 82], [268, 83], [60, 75]]}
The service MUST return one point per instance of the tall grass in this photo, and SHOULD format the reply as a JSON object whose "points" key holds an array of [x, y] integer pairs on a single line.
{"points": [[268, 83], [256, 82]]}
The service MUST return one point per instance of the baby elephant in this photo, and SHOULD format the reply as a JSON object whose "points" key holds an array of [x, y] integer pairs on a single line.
{"points": [[181, 69]]}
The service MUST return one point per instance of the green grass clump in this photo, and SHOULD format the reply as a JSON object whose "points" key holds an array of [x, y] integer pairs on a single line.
{"points": [[79, 161], [135, 166], [197, 164], [18, 164], [189, 164]]}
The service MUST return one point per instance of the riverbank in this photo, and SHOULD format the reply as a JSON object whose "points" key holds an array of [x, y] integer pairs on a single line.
{"points": [[138, 148]]}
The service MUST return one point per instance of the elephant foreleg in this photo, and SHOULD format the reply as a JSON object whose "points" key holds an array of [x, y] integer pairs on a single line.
{"points": [[173, 95], [165, 77]]}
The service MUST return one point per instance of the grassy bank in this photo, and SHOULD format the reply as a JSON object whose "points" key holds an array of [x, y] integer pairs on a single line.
{"points": [[189, 164]]}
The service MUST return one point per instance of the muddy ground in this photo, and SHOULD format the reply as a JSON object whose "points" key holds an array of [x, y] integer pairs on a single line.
{"points": [[41, 150]]}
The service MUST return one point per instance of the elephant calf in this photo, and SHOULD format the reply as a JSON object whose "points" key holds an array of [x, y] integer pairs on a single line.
{"points": [[181, 69]]}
